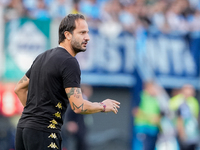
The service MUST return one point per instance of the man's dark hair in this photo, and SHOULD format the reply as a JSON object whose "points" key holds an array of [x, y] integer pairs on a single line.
{"points": [[68, 24]]}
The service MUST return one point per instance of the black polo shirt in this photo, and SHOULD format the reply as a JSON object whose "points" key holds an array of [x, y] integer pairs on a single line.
{"points": [[50, 73]]}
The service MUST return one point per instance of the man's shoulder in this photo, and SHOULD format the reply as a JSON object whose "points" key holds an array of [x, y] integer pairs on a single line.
{"points": [[57, 53], [59, 56], [62, 57], [60, 52]]}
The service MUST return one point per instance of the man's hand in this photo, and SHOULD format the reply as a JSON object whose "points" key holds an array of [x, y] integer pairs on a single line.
{"points": [[111, 105]]}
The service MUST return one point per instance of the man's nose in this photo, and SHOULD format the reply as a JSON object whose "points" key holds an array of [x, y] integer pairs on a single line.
{"points": [[87, 37]]}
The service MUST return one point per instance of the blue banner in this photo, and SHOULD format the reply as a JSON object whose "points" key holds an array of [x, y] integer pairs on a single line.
{"points": [[108, 62], [170, 59]]}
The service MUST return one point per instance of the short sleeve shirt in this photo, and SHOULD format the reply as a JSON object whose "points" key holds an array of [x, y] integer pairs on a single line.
{"points": [[49, 75]]}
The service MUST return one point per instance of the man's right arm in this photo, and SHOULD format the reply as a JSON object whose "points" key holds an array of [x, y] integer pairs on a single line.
{"points": [[21, 89], [82, 106]]}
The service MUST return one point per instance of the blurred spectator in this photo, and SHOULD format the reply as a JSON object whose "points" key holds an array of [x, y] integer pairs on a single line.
{"points": [[90, 8], [127, 17], [147, 119], [113, 10], [186, 109], [40, 12], [110, 18], [158, 16], [76, 7], [194, 4], [175, 18], [14, 10], [30, 5], [143, 14], [76, 125], [60, 8], [194, 21]]}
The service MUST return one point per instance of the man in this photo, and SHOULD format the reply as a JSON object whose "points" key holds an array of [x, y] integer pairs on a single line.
{"points": [[185, 108], [147, 118], [50, 84]]}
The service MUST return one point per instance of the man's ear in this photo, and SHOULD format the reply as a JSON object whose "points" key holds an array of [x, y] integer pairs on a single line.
{"points": [[68, 35]]}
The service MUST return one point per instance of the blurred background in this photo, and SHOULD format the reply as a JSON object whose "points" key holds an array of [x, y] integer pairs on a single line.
{"points": [[143, 53]]}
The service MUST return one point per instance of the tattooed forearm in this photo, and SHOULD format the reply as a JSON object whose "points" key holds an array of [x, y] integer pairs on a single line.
{"points": [[71, 92], [75, 92], [24, 78], [77, 107], [78, 91]]}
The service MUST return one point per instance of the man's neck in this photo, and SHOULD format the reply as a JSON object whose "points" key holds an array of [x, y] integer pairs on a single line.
{"points": [[67, 48]]}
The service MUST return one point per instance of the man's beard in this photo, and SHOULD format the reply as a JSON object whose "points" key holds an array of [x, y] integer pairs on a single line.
{"points": [[77, 47]]}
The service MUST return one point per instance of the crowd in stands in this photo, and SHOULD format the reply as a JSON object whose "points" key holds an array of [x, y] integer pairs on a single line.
{"points": [[129, 15]]}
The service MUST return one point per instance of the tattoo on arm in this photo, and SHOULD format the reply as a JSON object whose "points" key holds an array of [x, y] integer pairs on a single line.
{"points": [[24, 78], [71, 92], [75, 92], [77, 107], [78, 91]]}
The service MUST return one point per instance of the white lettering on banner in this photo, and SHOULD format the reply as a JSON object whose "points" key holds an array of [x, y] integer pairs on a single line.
{"points": [[189, 63], [163, 52], [99, 59], [177, 47], [157, 55], [163, 55], [129, 50], [105, 55], [112, 56]]}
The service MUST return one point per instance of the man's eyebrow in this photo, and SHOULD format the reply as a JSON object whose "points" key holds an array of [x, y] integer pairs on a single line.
{"points": [[87, 31]]}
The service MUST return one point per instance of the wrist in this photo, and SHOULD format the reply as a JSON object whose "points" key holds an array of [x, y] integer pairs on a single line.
{"points": [[104, 106]]}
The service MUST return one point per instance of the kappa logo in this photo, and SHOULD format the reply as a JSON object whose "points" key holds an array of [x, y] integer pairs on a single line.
{"points": [[58, 115], [53, 136], [59, 105], [54, 121], [53, 145], [53, 124]]}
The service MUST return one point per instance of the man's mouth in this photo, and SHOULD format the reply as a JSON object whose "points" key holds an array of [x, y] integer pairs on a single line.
{"points": [[84, 43]]}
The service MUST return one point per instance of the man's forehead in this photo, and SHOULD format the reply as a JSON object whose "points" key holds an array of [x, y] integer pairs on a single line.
{"points": [[81, 24]]}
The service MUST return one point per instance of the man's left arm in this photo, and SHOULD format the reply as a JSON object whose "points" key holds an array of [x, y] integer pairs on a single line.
{"points": [[21, 89]]}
